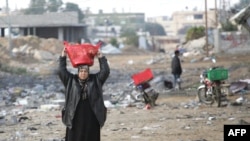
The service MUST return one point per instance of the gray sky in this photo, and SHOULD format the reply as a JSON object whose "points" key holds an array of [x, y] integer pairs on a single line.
{"points": [[151, 8]]}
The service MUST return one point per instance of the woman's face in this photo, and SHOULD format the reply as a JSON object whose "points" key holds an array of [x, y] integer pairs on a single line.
{"points": [[83, 74]]}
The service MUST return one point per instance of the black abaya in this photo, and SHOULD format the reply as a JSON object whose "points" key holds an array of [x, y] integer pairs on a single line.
{"points": [[85, 124]]}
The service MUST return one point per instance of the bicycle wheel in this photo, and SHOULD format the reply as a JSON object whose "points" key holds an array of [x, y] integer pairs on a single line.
{"points": [[204, 97]]}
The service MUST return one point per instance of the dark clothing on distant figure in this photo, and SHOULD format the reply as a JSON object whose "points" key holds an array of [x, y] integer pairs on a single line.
{"points": [[176, 69], [84, 112], [176, 65]]}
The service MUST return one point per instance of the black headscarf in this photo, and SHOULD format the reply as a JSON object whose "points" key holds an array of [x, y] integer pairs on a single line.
{"points": [[83, 67]]}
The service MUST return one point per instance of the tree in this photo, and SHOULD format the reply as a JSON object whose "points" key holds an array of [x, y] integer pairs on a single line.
{"points": [[114, 42], [130, 36], [53, 5], [195, 33], [154, 29], [42, 6], [36, 7], [228, 26], [74, 7]]}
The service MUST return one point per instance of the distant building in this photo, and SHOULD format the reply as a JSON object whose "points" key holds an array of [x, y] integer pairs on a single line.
{"points": [[63, 26], [176, 26], [106, 25], [181, 21]]}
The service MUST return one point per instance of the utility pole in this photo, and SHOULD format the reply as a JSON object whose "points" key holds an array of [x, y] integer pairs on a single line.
{"points": [[9, 28], [106, 22], [206, 28], [216, 31], [216, 14]]}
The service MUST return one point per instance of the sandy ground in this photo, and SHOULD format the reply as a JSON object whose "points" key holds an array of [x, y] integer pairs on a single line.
{"points": [[177, 116], [174, 119]]}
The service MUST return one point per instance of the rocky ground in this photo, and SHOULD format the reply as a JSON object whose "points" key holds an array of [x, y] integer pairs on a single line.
{"points": [[178, 115]]}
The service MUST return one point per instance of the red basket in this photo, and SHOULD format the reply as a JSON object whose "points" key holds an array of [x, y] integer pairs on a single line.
{"points": [[81, 54], [142, 77]]}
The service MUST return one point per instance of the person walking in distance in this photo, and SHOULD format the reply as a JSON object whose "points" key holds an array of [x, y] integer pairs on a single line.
{"points": [[176, 69], [84, 113]]}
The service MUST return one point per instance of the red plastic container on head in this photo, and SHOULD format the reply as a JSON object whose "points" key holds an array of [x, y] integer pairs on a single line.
{"points": [[142, 77], [81, 54]]}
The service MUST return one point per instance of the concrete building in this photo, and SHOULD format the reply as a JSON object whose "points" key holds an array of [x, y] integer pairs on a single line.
{"points": [[63, 26], [181, 21], [107, 25]]}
